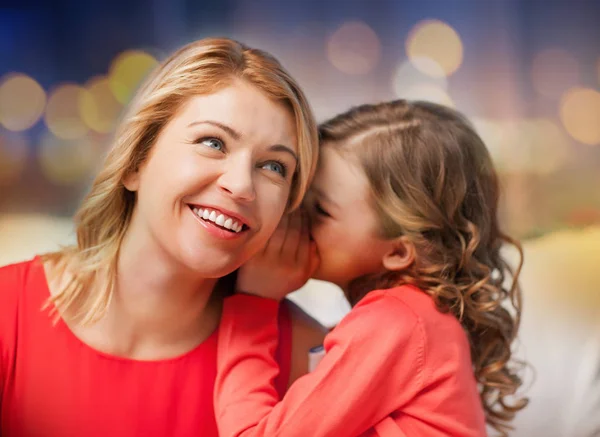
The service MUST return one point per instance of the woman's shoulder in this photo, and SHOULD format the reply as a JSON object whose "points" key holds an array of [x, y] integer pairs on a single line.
{"points": [[14, 277], [14, 280], [22, 284], [304, 322], [306, 334]]}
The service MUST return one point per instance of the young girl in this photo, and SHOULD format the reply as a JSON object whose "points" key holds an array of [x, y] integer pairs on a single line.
{"points": [[404, 217]]}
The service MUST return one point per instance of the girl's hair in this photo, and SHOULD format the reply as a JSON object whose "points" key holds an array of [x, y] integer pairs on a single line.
{"points": [[202, 67], [432, 181]]}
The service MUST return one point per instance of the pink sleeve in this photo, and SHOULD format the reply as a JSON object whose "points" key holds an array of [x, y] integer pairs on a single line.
{"points": [[373, 365]]}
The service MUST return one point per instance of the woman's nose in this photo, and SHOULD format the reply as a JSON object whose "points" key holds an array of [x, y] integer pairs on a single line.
{"points": [[237, 179]]}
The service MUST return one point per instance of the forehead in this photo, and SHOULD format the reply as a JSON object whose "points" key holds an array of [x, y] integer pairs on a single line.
{"points": [[245, 108], [341, 178]]}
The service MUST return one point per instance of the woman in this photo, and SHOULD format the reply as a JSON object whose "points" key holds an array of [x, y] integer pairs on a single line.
{"points": [[218, 144]]}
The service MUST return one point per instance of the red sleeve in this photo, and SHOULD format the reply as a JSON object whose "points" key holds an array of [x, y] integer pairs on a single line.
{"points": [[283, 355], [11, 281], [373, 366]]}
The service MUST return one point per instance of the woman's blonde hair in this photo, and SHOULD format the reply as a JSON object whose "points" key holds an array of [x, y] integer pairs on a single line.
{"points": [[202, 67], [433, 181]]}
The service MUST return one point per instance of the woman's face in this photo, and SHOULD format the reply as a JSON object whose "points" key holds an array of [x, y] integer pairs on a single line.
{"points": [[217, 180]]}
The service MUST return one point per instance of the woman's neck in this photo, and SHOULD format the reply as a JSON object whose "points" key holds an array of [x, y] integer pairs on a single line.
{"points": [[159, 309]]}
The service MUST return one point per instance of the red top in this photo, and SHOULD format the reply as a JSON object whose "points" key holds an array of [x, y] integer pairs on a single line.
{"points": [[54, 385], [395, 366]]}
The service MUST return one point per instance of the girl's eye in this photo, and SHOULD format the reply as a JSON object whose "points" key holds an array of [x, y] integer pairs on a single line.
{"points": [[277, 167], [213, 143], [320, 210]]}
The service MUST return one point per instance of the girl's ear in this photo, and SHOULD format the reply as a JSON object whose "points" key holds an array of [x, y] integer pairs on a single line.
{"points": [[400, 256]]}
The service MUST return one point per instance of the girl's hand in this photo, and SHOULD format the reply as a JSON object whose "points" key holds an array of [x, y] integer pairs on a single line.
{"points": [[285, 264]]}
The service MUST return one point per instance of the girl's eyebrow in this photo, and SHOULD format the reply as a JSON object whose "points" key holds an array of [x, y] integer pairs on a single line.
{"points": [[324, 196]]}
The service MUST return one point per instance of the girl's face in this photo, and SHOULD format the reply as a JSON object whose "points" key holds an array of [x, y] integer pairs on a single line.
{"points": [[216, 182], [344, 223]]}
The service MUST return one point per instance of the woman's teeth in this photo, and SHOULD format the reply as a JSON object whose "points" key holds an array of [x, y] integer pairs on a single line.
{"points": [[218, 218]]}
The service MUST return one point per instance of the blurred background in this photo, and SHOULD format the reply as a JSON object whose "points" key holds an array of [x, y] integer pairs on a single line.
{"points": [[526, 72]]}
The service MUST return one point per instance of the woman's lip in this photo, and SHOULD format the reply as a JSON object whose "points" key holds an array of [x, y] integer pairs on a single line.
{"points": [[216, 230], [243, 220]]}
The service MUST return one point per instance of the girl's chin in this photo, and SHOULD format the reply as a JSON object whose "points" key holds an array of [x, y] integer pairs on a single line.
{"points": [[323, 276]]}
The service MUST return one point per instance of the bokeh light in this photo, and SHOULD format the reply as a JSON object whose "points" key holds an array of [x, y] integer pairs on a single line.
{"points": [[580, 114], [437, 41], [535, 146], [127, 72], [22, 102], [98, 106], [408, 77], [554, 71], [585, 216], [354, 48], [500, 138], [13, 157], [62, 116], [65, 162], [545, 145]]}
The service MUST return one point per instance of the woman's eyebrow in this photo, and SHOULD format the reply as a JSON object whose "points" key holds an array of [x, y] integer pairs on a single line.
{"points": [[237, 136], [231, 131], [282, 148]]}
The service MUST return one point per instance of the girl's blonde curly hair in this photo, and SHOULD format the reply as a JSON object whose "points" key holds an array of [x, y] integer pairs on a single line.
{"points": [[433, 181]]}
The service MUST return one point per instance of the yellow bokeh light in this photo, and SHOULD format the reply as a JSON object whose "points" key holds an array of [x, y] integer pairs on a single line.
{"points": [[62, 112], [429, 93], [437, 41], [544, 146], [354, 48], [98, 106], [65, 162], [13, 157], [500, 138], [535, 146], [554, 71], [22, 102], [580, 114], [127, 72], [408, 76]]}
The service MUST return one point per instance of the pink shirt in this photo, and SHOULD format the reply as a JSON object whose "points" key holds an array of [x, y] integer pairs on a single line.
{"points": [[394, 366]]}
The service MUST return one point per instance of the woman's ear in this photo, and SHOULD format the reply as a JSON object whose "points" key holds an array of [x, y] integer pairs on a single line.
{"points": [[401, 254], [131, 181]]}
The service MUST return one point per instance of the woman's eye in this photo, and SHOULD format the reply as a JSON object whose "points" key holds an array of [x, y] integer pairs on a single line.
{"points": [[277, 167], [213, 143]]}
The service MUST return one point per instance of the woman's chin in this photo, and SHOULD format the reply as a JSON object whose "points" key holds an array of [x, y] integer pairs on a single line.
{"points": [[210, 266]]}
